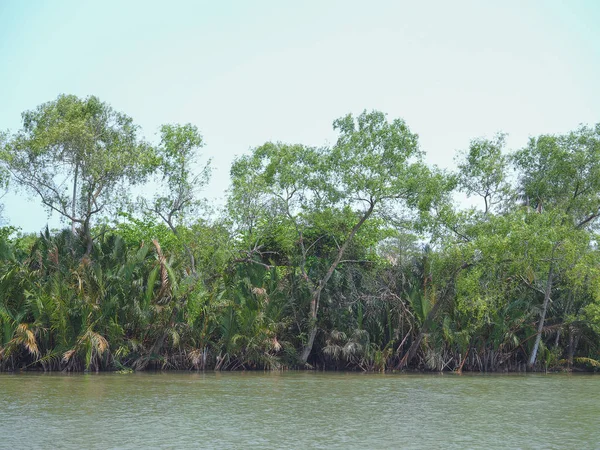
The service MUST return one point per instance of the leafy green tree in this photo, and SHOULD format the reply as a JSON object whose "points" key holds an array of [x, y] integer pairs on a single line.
{"points": [[178, 158], [559, 177], [374, 167], [329, 255], [483, 171], [78, 156]]}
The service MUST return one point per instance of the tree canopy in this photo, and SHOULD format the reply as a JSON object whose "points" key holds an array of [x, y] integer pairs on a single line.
{"points": [[353, 255], [78, 156]]}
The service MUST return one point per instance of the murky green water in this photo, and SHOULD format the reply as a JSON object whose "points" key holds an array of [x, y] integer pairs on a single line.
{"points": [[298, 410]]}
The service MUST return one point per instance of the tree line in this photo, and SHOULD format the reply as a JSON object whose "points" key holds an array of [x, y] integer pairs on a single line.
{"points": [[352, 256]]}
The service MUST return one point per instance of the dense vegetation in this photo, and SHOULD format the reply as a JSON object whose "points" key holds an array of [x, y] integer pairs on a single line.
{"points": [[353, 256]]}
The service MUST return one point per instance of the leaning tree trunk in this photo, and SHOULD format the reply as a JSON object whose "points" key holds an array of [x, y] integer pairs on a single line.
{"points": [[571, 348], [538, 337], [316, 295], [74, 199], [86, 231], [311, 340], [87, 237]]}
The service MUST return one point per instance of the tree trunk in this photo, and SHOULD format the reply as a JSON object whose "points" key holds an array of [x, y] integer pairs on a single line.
{"points": [[570, 349], [185, 246], [87, 236], [538, 337], [309, 345], [73, 200], [316, 295], [192, 260], [460, 367]]}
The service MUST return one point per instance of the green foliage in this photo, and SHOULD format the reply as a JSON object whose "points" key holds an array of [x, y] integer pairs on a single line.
{"points": [[562, 172], [483, 170], [348, 257], [375, 159], [136, 232], [78, 156], [177, 159]]}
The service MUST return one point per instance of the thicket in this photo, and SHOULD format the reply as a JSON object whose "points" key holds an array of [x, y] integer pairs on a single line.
{"points": [[354, 256]]}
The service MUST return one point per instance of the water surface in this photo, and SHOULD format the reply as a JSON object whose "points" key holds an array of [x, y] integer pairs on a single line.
{"points": [[298, 410]]}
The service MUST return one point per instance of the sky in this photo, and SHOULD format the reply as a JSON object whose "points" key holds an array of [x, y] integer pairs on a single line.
{"points": [[247, 72]]}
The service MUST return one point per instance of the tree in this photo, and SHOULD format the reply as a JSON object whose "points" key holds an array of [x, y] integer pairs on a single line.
{"points": [[559, 177], [525, 257], [483, 171], [79, 156], [374, 167], [4, 174], [178, 155]]}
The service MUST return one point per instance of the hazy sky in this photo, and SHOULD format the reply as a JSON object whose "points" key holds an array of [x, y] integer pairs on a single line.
{"points": [[249, 71]]}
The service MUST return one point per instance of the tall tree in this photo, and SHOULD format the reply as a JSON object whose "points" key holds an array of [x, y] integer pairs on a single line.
{"points": [[178, 158], [483, 171], [4, 174], [559, 177], [78, 156], [375, 166]]}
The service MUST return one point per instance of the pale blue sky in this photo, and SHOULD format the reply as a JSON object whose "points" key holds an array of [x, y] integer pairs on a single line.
{"points": [[246, 72]]}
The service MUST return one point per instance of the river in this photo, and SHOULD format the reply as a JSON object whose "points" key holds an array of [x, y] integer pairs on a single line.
{"points": [[298, 410]]}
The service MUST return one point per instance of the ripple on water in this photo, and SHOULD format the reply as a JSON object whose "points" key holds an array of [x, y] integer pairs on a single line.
{"points": [[298, 410]]}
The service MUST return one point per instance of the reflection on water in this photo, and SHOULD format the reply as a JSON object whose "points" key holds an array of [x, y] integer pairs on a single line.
{"points": [[298, 410]]}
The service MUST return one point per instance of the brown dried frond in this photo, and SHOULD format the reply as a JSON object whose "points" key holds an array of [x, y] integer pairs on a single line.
{"points": [[68, 355], [276, 345], [86, 261], [25, 337], [99, 342], [195, 357]]}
